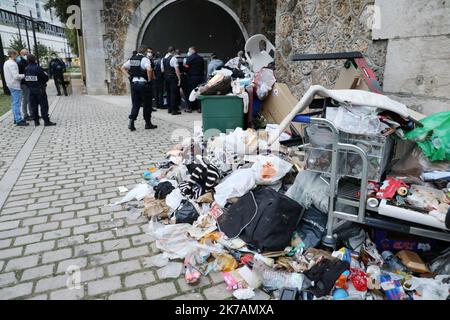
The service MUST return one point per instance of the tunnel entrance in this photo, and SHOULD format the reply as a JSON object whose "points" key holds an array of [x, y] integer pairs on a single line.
{"points": [[200, 23]]}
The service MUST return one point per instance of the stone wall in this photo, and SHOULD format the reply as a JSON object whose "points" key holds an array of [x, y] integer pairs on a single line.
{"points": [[258, 16], [323, 26]]}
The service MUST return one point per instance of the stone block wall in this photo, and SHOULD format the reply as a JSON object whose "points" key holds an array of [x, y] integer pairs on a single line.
{"points": [[323, 26]]}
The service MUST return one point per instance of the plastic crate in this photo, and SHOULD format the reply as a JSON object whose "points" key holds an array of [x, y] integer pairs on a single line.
{"points": [[319, 152]]}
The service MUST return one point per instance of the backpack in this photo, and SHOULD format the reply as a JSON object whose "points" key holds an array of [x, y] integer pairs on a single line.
{"points": [[264, 219]]}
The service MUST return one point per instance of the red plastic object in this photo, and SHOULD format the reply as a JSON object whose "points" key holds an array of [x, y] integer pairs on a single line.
{"points": [[389, 188]]}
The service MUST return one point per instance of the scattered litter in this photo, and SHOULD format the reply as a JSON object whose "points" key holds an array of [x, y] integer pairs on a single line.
{"points": [[123, 189]]}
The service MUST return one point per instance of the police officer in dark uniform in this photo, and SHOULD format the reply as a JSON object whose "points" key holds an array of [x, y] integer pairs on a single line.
{"points": [[195, 69], [159, 82], [57, 70], [172, 78], [139, 67], [36, 79]]}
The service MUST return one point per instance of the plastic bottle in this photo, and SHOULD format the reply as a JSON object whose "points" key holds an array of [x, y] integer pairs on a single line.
{"points": [[394, 263], [278, 279]]}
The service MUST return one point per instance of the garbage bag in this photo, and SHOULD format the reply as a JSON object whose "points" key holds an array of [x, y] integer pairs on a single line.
{"points": [[187, 213], [434, 136], [264, 219], [235, 186], [163, 189], [428, 289], [441, 265], [172, 239], [269, 170], [264, 81]]}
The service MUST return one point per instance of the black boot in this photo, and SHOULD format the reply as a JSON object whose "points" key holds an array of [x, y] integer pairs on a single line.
{"points": [[37, 123], [150, 126], [131, 126], [48, 123]]}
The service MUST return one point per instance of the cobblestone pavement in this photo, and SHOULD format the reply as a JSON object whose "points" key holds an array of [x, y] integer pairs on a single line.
{"points": [[55, 215]]}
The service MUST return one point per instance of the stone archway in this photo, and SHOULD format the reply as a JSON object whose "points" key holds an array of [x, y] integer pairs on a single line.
{"points": [[149, 9]]}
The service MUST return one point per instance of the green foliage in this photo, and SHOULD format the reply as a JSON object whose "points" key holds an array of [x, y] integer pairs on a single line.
{"points": [[60, 7], [16, 44], [73, 40]]}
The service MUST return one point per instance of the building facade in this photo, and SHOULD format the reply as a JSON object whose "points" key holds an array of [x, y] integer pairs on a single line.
{"points": [[50, 31], [406, 42]]}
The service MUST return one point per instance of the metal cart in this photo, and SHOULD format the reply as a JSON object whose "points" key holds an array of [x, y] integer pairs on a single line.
{"points": [[341, 192]]}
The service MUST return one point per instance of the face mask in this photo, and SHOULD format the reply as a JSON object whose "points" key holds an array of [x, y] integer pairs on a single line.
{"points": [[25, 57], [18, 59]]}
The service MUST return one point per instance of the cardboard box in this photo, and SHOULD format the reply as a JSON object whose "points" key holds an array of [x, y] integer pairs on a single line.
{"points": [[412, 261], [351, 79], [279, 104]]}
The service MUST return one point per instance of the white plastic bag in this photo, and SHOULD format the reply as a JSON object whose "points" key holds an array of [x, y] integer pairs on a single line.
{"points": [[138, 193], [174, 199], [264, 80], [269, 170], [236, 185], [174, 240]]}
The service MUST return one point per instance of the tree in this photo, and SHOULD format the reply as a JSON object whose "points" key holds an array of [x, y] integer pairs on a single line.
{"points": [[60, 8], [16, 44], [42, 51]]}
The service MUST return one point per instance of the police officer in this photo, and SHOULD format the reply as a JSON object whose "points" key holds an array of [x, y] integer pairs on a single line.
{"points": [[140, 69], [57, 70], [195, 69], [172, 78], [36, 79], [159, 82]]}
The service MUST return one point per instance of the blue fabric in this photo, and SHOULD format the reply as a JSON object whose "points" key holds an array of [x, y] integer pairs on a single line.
{"points": [[16, 98]]}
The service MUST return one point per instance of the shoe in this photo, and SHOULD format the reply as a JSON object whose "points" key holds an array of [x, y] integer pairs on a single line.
{"points": [[188, 110], [27, 118], [199, 110], [37, 123], [22, 124], [150, 126], [176, 113], [48, 123], [131, 126], [154, 110]]}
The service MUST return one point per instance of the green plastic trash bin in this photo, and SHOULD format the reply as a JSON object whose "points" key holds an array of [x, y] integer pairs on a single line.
{"points": [[221, 113]]}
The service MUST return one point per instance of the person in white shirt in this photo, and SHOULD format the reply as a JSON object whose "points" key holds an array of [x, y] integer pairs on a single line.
{"points": [[139, 69], [13, 81], [172, 78]]}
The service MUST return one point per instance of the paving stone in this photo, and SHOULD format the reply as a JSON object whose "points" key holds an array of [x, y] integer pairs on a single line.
{"points": [[9, 253], [39, 247], [70, 241], [204, 281], [126, 295], [104, 258], [135, 252], [14, 233], [45, 227], [91, 274], [103, 286], [22, 263], [141, 239], [38, 272], [73, 222], [51, 283], [56, 255], [9, 225], [218, 292], [190, 297], [87, 249], [123, 267], [85, 229], [7, 279], [139, 279], [67, 294], [105, 235], [161, 290], [78, 262], [17, 291], [5, 243], [33, 221], [116, 244], [62, 216], [56, 234]]}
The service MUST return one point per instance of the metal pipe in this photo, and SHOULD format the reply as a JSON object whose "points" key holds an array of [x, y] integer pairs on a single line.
{"points": [[2, 62], [28, 37]]}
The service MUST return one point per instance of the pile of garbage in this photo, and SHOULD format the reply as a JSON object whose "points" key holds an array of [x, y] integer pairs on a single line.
{"points": [[251, 209]]}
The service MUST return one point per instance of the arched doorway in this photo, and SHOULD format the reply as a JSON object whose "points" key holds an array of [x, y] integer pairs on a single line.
{"points": [[207, 24]]}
